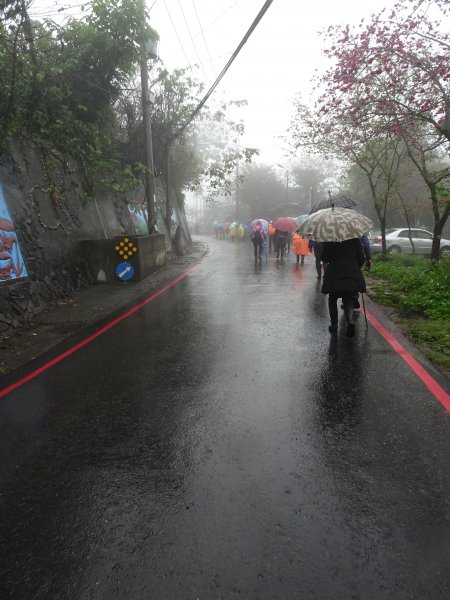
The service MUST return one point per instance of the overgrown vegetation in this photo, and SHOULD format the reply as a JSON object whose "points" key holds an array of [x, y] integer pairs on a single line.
{"points": [[418, 288], [382, 106], [58, 84], [74, 91]]}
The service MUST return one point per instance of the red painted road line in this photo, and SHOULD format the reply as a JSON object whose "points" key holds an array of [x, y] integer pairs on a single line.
{"points": [[439, 393], [92, 337]]}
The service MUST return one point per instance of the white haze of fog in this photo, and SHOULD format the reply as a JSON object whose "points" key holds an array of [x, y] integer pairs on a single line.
{"points": [[277, 62]]}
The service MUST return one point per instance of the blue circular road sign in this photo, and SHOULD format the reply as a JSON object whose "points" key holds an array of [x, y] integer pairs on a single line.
{"points": [[125, 271]]}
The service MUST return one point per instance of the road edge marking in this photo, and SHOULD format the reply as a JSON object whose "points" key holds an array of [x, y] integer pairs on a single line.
{"points": [[90, 338], [438, 392]]}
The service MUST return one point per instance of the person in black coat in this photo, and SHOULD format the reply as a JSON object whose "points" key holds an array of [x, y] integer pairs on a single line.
{"points": [[317, 249], [343, 278]]}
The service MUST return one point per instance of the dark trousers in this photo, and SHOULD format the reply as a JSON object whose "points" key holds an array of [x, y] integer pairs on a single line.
{"points": [[347, 301], [280, 247], [317, 254], [257, 247]]}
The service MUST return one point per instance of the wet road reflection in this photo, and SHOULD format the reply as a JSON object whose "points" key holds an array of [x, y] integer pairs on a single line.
{"points": [[221, 444]]}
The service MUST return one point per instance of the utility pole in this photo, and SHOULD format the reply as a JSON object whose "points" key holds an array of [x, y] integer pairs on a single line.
{"points": [[148, 142], [237, 192], [168, 204]]}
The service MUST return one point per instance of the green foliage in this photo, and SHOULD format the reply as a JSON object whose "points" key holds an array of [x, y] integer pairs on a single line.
{"points": [[73, 91], [221, 172], [260, 191], [414, 283], [419, 289], [432, 337], [58, 88], [206, 153]]}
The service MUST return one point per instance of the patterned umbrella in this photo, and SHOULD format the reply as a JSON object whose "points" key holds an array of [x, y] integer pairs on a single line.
{"points": [[335, 225], [340, 201], [286, 224]]}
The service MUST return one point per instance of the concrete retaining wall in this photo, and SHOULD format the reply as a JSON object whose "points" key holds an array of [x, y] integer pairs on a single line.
{"points": [[102, 257], [51, 216]]}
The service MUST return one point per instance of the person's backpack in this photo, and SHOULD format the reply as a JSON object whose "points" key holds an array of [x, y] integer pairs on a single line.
{"points": [[257, 235]]}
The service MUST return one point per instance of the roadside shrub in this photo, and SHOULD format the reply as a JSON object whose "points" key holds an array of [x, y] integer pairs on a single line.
{"points": [[413, 283]]}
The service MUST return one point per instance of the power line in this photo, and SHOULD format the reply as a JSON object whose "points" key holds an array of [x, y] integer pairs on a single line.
{"points": [[221, 15], [204, 39], [42, 12], [175, 29], [214, 21], [224, 70], [214, 58], [192, 39]]}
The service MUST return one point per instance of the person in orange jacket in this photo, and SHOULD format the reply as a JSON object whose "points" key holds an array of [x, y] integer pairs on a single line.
{"points": [[300, 246], [271, 234]]}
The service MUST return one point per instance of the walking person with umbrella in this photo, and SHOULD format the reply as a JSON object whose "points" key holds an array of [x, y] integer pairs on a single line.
{"points": [[340, 229], [343, 279], [259, 236], [284, 227]]}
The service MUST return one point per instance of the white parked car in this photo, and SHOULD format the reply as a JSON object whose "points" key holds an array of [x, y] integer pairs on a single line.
{"points": [[397, 240]]}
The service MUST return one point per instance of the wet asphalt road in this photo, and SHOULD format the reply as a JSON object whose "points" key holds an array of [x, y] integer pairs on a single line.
{"points": [[218, 444]]}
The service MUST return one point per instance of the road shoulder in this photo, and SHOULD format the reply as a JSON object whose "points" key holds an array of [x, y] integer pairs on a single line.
{"points": [[83, 309]]}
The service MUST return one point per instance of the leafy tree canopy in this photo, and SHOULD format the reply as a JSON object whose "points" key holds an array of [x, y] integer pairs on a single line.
{"points": [[58, 84]]}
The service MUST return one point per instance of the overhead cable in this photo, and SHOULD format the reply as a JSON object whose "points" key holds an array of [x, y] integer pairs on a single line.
{"points": [[175, 29], [258, 18], [204, 39], [212, 22], [192, 39]]}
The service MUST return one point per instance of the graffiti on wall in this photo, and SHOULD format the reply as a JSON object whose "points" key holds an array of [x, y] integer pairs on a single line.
{"points": [[12, 265]]}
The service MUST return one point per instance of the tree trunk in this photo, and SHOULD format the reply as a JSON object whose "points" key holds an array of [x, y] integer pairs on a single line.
{"points": [[408, 223], [383, 233], [436, 245], [382, 218], [439, 222]]}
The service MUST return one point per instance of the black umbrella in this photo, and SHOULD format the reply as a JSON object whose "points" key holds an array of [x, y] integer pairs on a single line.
{"points": [[339, 200]]}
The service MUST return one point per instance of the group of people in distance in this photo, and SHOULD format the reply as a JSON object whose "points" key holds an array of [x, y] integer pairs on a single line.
{"points": [[279, 241], [342, 263]]}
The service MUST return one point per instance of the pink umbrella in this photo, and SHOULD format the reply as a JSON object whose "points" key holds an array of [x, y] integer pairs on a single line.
{"points": [[287, 224]]}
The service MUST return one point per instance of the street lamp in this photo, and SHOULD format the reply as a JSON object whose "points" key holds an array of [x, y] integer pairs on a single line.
{"points": [[287, 188]]}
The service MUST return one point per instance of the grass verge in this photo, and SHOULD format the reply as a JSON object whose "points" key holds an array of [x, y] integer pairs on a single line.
{"points": [[419, 291]]}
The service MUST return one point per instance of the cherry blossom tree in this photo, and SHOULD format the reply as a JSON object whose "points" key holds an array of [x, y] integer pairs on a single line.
{"points": [[391, 76], [379, 155]]}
